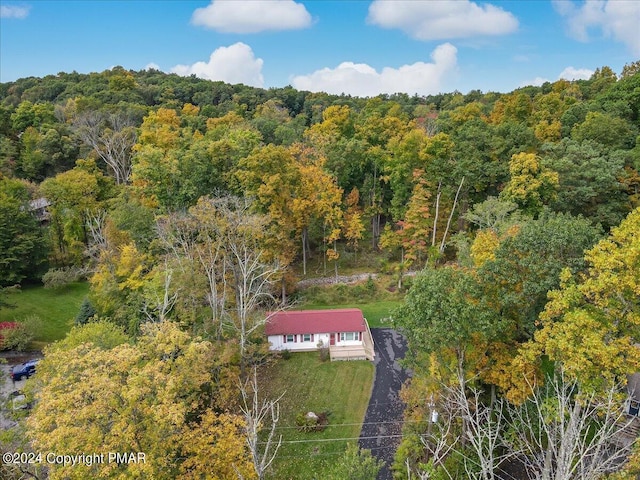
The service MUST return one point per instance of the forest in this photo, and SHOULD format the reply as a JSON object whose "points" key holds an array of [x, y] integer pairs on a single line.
{"points": [[508, 221]]}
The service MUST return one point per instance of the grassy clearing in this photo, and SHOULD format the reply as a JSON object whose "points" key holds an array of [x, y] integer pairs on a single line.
{"points": [[348, 264], [373, 297], [342, 388], [56, 308], [376, 313]]}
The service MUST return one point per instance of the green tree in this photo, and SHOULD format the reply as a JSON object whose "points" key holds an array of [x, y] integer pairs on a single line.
{"points": [[443, 314], [591, 324], [32, 115], [32, 158], [589, 180], [409, 153], [268, 117], [74, 195], [100, 334], [474, 158], [354, 464], [86, 312], [22, 245], [611, 131], [528, 264]]}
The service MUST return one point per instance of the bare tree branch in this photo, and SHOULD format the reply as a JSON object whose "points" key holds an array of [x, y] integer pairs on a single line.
{"points": [[564, 433], [256, 414], [455, 202], [158, 305], [111, 136]]}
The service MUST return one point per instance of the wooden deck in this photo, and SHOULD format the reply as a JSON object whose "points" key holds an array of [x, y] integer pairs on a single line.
{"points": [[628, 434], [356, 352]]}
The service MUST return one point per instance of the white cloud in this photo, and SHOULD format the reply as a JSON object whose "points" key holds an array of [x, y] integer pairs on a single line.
{"points": [[437, 20], [12, 11], [362, 80], [571, 73], [536, 82], [252, 16], [618, 19], [152, 66], [233, 64]]}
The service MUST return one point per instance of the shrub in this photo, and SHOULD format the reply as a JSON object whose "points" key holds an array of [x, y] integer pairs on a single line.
{"points": [[310, 422], [354, 464], [286, 354], [19, 337], [344, 293], [324, 351], [61, 277], [5, 327]]}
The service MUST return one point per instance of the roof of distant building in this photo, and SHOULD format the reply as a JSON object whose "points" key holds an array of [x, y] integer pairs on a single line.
{"points": [[39, 203]]}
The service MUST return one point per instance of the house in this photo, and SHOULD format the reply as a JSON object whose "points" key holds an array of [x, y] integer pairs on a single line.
{"points": [[626, 436], [345, 332], [40, 208]]}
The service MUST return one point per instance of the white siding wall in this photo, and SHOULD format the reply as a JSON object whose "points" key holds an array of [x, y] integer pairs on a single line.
{"points": [[349, 343], [277, 342]]}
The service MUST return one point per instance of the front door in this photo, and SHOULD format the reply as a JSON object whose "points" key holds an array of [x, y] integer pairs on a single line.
{"points": [[332, 339]]}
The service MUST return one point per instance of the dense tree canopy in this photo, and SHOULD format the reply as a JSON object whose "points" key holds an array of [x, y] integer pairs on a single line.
{"points": [[22, 248], [147, 397], [591, 324], [200, 204]]}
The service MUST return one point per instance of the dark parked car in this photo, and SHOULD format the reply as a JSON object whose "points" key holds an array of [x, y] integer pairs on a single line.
{"points": [[24, 370]]}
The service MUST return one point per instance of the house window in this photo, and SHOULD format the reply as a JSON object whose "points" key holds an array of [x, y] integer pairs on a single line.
{"points": [[307, 337], [348, 336], [289, 339]]}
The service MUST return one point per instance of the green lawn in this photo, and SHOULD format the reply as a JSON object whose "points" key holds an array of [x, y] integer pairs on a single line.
{"points": [[342, 388], [56, 308], [376, 313]]}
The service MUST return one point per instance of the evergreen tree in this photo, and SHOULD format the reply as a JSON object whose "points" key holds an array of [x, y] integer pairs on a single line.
{"points": [[86, 312]]}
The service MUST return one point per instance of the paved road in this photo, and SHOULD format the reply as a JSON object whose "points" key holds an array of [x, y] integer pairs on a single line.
{"points": [[383, 421], [7, 385]]}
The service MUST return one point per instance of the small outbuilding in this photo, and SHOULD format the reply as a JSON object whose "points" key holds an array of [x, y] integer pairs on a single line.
{"points": [[40, 208], [344, 331]]}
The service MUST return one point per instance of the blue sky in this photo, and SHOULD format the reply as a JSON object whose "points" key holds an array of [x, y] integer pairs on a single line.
{"points": [[357, 47]]}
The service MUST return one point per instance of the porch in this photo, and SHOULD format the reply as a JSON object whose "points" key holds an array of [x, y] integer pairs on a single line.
{"points": [[364, 351]]}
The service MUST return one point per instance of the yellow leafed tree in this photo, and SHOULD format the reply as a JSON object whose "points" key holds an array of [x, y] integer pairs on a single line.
{"points": [[140, 397], [591, 325]]}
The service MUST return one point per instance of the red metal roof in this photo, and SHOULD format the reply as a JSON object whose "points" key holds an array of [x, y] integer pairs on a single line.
{"points": [[316, 321]]}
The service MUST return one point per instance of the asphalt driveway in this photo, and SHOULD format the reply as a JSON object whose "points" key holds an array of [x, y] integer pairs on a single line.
{"points": [[382, 429], [7, 385]]}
